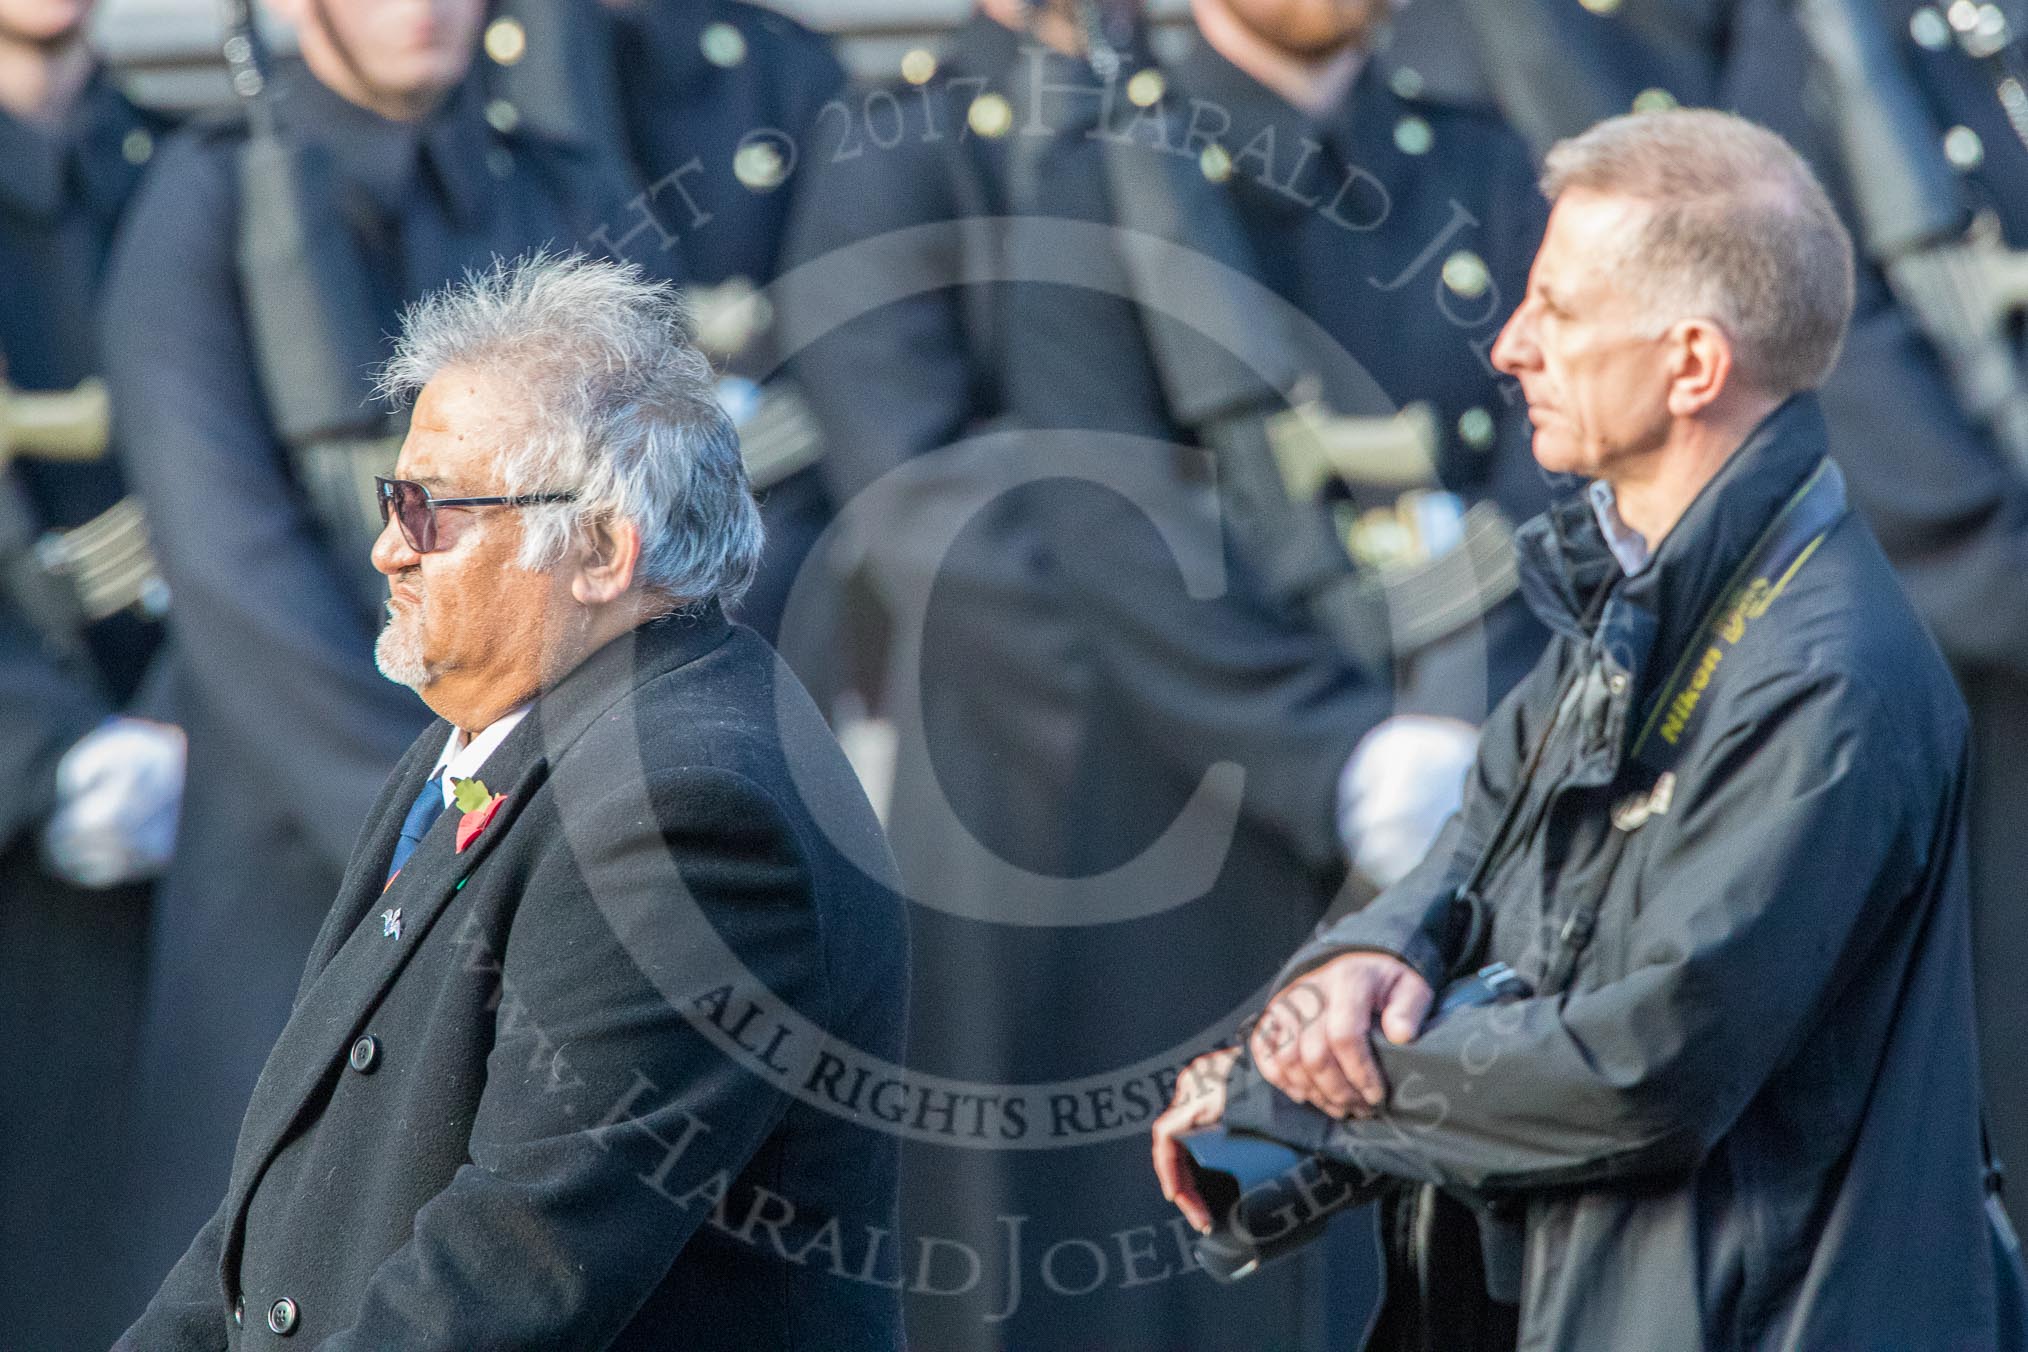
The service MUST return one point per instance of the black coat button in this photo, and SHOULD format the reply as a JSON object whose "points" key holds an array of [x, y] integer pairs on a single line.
{"points": [[282, 1317], [239, 1312], [365, 1053]]}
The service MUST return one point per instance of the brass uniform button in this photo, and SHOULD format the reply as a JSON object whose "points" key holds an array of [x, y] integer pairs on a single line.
{"points": [[1929, 28], [1466, 274], [990, 115], [1413, 136], [759, 166], [723, 45], [1963, 148], [506, 41], [1475, 429]]}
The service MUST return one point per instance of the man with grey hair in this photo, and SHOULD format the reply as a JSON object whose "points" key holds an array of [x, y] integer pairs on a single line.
{"points": [[1668, 1041], [540, 1087]]}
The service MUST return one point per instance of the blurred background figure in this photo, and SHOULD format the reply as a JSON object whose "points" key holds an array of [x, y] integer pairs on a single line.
{"points": [[704, 106], [720, 100], [1939, 467], [264, 262], [1139, 358], [91, 769], [1073, 693]]}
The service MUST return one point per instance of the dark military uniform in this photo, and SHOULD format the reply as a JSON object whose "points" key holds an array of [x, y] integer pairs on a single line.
{"points": [[721, 101], [1949, 508], [292, 730], [71, 960], [1073, 693]]}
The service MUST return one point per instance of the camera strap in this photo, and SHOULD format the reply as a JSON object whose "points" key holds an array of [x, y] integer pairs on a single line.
{"points": [[1776, 557]]}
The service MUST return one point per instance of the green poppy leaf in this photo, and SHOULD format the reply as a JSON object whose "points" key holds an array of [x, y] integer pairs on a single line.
{"points": [[469, 794]]}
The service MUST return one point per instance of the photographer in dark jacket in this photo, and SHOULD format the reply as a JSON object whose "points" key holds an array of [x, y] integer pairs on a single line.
{"points": [[1731, 1098]]}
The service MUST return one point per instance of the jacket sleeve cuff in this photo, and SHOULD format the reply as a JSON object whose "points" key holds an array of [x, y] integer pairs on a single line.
{"points": [[1426, 939]]}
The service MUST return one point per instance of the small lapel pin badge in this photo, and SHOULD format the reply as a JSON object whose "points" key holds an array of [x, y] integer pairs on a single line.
{"points": [[1633, 811], [390, 922]]}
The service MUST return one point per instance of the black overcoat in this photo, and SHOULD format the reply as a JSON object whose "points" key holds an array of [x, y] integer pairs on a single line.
{"points": [[292, 730], [533, 1111]]}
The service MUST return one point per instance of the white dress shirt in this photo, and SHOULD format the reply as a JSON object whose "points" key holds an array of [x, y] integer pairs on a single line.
{"points": [[463, 755]]}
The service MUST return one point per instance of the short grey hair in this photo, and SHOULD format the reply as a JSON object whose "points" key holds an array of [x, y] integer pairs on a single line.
{"points": [[612, 400], [1738, 231]]}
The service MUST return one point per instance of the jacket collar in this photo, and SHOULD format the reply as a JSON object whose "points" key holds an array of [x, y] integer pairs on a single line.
{"points": [[1646, 622], [1357, 131], [355, 962], [84, 153], [1204, 73], [1564, 559], [557, 718], [562, 713], [442, 152], [982, 45]]}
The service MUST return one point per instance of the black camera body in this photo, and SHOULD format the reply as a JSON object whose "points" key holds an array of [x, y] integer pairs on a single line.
{"points": [[1267, 1199]]}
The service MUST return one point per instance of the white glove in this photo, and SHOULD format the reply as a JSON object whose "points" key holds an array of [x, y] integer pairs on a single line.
{"points": [[118, 794], [1404, 780]]}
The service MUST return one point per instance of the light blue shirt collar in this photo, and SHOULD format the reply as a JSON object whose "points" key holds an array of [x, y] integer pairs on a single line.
{"points": [[1628, 545]]}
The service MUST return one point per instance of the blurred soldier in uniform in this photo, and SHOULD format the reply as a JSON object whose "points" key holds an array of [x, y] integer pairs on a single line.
{"points": [[1915, 144], [709, 106], [1073, 695], [91, 777], [265, 261], [1947, 497], [721, 99]]}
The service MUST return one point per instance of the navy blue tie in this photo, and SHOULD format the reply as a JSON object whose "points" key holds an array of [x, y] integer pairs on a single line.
{"points": [[429, 805]]}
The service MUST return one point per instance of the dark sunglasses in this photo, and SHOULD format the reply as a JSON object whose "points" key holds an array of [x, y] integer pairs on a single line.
{"points": [[411, 504]]}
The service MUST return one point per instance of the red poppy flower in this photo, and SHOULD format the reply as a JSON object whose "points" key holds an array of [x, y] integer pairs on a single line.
{"points": [[473, 822]]}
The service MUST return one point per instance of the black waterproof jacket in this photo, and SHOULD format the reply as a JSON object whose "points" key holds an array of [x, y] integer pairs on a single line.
{"points": [[1748, 1117]]}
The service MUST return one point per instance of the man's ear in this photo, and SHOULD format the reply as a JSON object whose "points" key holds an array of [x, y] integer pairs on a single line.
{"points": [[605, 569], [1700, 366]]}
